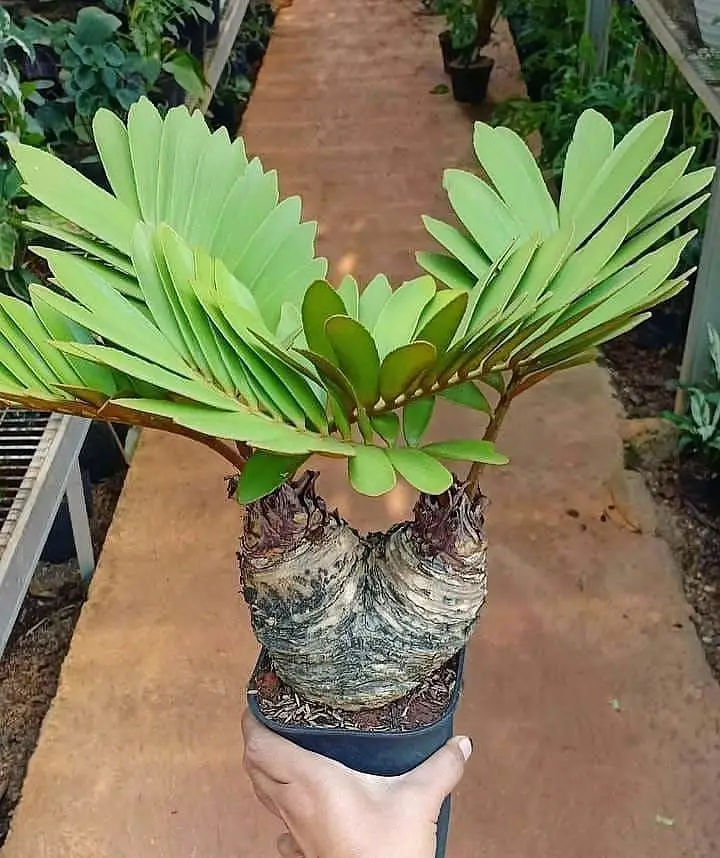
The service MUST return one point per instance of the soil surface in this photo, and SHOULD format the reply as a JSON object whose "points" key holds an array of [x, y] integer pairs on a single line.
{"points": [[423, 706], [30, 666], [695, 540], [644, 377], [643, 380], [646, 362]]}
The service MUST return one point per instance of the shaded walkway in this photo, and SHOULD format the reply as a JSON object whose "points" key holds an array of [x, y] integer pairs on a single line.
{"points": [[140, 756]]}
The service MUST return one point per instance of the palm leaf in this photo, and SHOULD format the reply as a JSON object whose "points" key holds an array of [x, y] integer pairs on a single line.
{"points": [[191, 298], [172, 170], [511, 168]]}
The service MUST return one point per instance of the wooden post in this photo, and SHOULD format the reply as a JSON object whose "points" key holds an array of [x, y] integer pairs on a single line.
{"points": [[231, 18], [706, 301], [597, 27]]}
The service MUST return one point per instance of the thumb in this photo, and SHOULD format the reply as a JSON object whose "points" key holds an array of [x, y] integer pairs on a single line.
{"points": [[440, 774]]}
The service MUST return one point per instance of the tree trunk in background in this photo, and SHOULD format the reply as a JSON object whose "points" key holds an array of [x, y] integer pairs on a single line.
{"points": [[485, 15], [358, 621]]}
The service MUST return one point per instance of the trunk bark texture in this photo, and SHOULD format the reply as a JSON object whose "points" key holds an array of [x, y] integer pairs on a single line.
{"points": [[485, 15], [358, 621]]}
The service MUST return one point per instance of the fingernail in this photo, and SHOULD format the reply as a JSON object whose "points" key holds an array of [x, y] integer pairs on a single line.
{"points": [[466, 747]]}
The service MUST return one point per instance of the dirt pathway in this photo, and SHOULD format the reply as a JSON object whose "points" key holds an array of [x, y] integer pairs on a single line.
{"points": [[594, 715]]}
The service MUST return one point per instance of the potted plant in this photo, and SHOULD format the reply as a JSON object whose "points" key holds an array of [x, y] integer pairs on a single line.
{"points": [[196, 304], [699, 439], [468, 32]]}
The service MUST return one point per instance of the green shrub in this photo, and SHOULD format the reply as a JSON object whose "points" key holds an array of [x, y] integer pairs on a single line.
{"points": [[699, 426], [99, 68]]}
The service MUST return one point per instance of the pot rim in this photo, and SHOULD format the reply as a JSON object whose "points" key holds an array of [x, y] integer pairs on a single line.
{"points": [[482, 63]]}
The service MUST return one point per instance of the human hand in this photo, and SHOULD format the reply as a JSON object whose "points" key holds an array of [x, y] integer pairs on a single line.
{"points": [[332, 811]]}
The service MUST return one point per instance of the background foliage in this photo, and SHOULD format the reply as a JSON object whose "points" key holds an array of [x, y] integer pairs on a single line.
{"points": [[56, 71], [198, 303], [557, 65], [640, 80]]}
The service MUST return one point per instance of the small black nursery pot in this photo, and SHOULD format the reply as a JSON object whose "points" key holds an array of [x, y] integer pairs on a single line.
{"points": [[699, 485], [100, 455], [446, 47], [377, 753], [213, 27], [470, 82]]}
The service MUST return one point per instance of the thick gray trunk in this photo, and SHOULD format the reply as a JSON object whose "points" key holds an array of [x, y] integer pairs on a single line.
{"points": [[357, 621]]}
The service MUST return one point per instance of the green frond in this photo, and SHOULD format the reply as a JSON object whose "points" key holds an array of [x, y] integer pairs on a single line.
{"points": [[573, 276], [173, 171], [191, 299]]}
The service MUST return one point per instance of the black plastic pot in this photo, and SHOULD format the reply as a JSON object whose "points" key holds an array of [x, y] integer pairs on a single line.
{"points": [[60, 544], [387, 753], [470, 83], [213, 28], [193, 36], [226, 114], [699, 486], [537, 85], [255, 51], [100, 456], [169, 91], [448, 52]]}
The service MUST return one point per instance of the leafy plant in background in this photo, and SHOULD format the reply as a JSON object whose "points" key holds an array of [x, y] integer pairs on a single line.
{"points": [[13, 276], [238, 77], [15, 122], [470, 26], [699, 426], [98, 68], [254, 33], [233, 90], [156, 28], [198, 306], [151, 21], [462, 25], [641, 79]]}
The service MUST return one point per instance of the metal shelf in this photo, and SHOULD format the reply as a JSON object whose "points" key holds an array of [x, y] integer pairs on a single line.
{"points": [[673, 25], [39, 462]]}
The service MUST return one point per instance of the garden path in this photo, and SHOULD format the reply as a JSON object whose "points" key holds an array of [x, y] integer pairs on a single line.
{"points": [[594, 716]]}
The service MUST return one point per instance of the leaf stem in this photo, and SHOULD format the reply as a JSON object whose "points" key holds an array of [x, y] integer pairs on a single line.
{"points": [[111, 413], [472, 488], [228, 452], [364, 425]]}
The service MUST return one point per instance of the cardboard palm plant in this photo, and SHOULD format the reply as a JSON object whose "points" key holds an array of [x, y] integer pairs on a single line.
{"points": [[190, 299]]}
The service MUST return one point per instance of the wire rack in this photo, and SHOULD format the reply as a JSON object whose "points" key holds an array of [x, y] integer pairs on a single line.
{"points": [[38, 467], [25, 437]]}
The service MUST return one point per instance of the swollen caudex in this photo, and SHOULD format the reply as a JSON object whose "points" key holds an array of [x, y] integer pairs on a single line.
{"points": [[358, 621]]}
